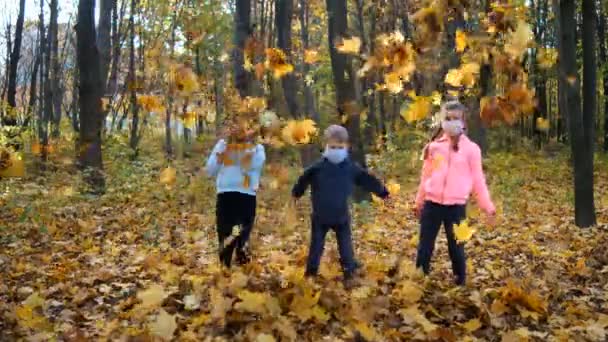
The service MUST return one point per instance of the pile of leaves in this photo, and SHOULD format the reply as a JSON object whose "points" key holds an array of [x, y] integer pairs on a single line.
{"points": [[139, 263]]}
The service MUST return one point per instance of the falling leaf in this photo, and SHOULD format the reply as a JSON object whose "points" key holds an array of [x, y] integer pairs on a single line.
{"points": [[542, 124], [311, 56], [168, 176], [393, 188], [299, 132], [153, 296], [519, 40], [350, 46], [547, 57], [276, 62], [461, 40], [366, 331], [393, 82], [418, 109], [164, 326], [463, 231]]}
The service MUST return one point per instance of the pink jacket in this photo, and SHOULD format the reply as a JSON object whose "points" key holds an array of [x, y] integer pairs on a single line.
{"points": [[449, 176]]}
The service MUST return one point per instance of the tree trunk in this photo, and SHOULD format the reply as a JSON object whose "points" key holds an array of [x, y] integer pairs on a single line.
{"points": [[582, 150], [134, 136], [242, 18], [14, 62], [343, 80], [309, 100], [485, 76], [603, 50], [91, 89], [34, 78], [284, 13], [54, 70]]}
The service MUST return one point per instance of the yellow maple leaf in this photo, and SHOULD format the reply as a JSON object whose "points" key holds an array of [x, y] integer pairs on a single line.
{"points": [[153, 296], [413, 315], [350, 46], [461, 40], [463, 231], [418, 109], [465, 76], [168, 176], [264, 338], [393, 187], [393, 82], [11, 164], [367, 332], [311, 56], [30, 319], [164, 326], [547, 57], [472, 325], [189, 119], [543, 124], [276, 62], [299, 132], [519, 40]]}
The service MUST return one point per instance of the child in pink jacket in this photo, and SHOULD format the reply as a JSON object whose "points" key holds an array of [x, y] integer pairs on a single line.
{"points": [[452, 170]]}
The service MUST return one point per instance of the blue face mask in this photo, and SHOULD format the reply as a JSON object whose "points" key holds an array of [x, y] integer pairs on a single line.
{"points": [[335, 155]]}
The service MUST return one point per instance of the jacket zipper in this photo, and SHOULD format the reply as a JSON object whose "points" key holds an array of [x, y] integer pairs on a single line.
{"points": [[445, 180]]}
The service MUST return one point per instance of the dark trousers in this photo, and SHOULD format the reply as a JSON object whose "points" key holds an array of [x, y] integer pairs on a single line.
{"points": [[433, 215], [234, 209], [317, 244]]}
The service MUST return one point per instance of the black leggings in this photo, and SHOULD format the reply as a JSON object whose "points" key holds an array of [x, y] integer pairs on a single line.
{"points": [[234, 209]]}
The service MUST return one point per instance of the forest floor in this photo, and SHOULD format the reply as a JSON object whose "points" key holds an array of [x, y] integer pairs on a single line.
{"points": [[139, 263]]}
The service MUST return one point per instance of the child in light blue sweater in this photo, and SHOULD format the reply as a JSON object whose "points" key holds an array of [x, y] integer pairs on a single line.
{"points": [[237, 167]]}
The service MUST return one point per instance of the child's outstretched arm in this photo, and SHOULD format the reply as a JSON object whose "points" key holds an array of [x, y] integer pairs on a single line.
{"points": [[369, 183], [213, 166], [479, 183], [303, 181]]}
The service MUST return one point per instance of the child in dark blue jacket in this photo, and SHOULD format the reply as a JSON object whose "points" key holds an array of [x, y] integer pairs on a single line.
{"points": [[332, 180]]}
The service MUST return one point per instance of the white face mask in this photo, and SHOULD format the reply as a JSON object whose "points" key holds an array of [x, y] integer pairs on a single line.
{"points": [[335, 155], [453, 128]]}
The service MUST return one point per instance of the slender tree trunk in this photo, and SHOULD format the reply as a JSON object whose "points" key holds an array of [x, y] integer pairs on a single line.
{"points": [[14, 63], [49, 91], [7, 60], [582, 149], [55, 70], [34, 78], [603, 50], [284, 13], [485, 76], [343, 79], [134, 137], [242, 23], [91, 90]]}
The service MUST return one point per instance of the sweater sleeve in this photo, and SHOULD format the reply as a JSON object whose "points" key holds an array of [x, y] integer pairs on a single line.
{"points": [[257, 163], [213, 166], [479, 182], [424, 175], [304, 181], [369, 183]]}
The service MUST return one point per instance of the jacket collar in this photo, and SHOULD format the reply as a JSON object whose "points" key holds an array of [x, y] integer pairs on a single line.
{"points": [[446, 138]]}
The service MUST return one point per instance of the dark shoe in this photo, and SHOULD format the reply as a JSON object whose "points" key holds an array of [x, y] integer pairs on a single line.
{"points": [[349, 281], [242, 257], [460, 281]]}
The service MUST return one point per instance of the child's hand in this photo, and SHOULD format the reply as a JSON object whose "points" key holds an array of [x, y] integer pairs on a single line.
{"points": [[418, 209]]}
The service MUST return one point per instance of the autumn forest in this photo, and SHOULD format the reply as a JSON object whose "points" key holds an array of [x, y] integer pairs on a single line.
{"points": [[142, 142]]}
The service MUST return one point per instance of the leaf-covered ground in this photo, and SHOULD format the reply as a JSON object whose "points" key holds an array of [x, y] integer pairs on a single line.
{"points": [[139, 262]]}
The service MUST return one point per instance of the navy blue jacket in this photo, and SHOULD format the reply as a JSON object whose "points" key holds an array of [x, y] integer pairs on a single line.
{"points": [[332, 185]]}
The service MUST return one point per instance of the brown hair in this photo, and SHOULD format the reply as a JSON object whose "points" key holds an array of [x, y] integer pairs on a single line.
{"points": [[337, 133], [452, 105]]}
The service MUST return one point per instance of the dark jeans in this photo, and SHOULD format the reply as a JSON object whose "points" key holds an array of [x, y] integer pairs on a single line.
{"points": [[433, 215], [234, 209], [317, 244]]}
